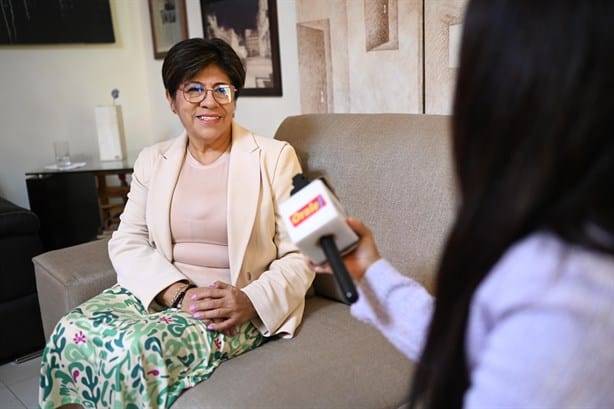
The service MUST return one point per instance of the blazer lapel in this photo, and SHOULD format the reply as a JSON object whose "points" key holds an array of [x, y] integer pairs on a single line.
{"points": [[243, 192], [161, 193]]}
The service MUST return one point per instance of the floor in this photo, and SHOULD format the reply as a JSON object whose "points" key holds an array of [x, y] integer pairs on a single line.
{"points": [[19, 384]]}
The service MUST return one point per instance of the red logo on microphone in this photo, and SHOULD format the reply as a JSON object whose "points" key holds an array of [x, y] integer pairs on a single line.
{"points": [[307, 211]]}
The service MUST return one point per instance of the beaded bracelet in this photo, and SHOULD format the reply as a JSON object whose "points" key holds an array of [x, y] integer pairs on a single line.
{"points": [[177, 293], [178, 298]]}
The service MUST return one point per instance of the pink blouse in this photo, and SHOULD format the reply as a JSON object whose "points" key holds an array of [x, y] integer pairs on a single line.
{"points": [[198, 221]]}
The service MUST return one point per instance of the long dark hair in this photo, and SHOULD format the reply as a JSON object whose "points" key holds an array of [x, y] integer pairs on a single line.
{"points": [[533, 145]]}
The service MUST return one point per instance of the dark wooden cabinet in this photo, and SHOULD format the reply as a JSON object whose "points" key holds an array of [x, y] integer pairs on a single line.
{"points": [[73, 206], [67, 206]]}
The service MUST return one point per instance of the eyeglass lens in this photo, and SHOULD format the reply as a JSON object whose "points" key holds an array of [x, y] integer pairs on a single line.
{"points": [[196, 92]]}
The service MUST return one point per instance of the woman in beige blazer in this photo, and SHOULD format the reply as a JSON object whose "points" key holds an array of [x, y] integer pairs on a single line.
{"points": [[205, 268]]}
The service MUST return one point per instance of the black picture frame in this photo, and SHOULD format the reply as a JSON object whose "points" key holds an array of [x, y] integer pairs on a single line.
{"points": [[169, 25], [56, 22], [253, 34]]}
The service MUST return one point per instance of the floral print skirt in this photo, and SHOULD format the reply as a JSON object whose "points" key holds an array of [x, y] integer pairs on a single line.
{"points": [[111, 353]]}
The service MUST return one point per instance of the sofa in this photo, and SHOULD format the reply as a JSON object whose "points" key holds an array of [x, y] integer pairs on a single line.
{"points": [[19, 309], [391, 170]]}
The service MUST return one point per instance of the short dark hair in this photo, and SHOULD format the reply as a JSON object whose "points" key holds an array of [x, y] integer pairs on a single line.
{"points": [[188, 57]]}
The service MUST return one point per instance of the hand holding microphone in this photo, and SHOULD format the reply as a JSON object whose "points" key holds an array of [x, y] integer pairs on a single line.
{"points": [[364, 254], [316, 223]]}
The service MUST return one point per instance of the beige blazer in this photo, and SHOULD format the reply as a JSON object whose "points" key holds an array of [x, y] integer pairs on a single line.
{"points": [[263, 261]]}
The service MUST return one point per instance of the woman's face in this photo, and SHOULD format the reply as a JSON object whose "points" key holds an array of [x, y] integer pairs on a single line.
{"points": [[208, 121]]}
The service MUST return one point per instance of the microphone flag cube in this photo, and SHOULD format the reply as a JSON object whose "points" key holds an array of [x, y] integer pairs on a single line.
{"points": [[313, 212]]}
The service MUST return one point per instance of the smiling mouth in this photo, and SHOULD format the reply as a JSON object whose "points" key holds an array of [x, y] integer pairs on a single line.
{"points": [[208, 117]]}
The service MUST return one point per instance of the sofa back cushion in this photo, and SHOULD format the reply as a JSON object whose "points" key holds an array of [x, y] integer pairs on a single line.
{"points": [[393, 171]]}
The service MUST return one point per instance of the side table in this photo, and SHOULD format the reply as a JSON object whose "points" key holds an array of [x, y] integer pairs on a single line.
{"points": [[77, 205]]}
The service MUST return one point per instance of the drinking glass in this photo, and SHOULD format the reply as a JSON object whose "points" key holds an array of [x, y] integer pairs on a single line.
{"points": [[62, 154]]}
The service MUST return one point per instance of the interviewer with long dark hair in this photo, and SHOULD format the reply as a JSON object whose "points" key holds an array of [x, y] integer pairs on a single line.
{"points": [[524, 308]]}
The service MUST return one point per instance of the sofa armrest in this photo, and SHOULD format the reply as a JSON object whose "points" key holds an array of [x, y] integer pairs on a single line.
{"points": [[67, 277]]}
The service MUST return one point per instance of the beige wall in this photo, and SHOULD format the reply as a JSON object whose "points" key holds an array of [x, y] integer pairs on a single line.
{"points": [[442, 25], [375, 57], [388, 79]]}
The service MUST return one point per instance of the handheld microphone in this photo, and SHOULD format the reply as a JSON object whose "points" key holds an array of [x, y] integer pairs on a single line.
{"points": [[315, 220]]}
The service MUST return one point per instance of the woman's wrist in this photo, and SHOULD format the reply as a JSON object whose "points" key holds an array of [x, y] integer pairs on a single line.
{"points": [[166, 297], [366, 266], [177, 300]]}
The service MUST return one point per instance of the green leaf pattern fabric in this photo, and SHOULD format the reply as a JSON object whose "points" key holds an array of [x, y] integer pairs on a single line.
{"points": [[111, 353]]}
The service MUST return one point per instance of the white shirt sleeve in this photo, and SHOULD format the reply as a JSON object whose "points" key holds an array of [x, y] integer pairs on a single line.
{"points": [[399, 307]]}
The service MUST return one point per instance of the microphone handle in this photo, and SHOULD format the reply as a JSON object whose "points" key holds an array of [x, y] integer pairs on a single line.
{"points": [[345, 282]]}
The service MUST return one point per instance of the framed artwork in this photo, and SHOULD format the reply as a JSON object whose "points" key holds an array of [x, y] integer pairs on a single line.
{"points": [[56, 22], [250, 27], [168, 25]]}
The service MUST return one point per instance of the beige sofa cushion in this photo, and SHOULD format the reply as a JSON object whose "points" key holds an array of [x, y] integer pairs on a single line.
{"points": [[334, 361], [399, 182]]}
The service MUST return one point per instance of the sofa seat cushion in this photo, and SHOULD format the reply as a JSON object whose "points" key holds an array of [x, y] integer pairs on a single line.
{"points": [[334, 361]]}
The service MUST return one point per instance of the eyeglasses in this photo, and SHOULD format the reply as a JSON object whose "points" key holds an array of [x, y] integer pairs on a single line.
{"points": [[195, 92]]}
